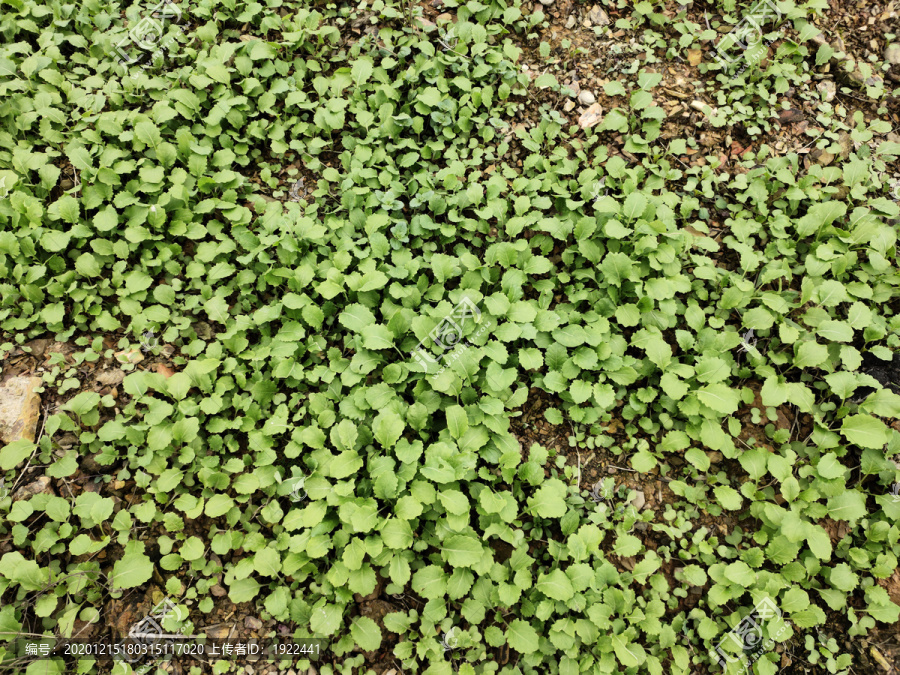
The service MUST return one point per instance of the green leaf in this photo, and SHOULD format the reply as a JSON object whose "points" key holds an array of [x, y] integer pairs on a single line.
{"points": [[366, 633], [267, 562], [635, 204], [627, 545], [388, 427], [630, 654], [522, 637], [457, 421], [549, 501], [849, 505], [556, 585], [147, 133], [87, 266], [326, 620], [462, 550], [131, 570], [243, 590], [865, 431], [14, 453], [728, 497], [377, 336], [616, 268], [720, 398], [356, 317], [27, 573], [740, 573]]}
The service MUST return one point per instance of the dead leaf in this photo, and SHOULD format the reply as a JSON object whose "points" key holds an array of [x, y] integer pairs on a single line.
{"points": [[164, 370], [110, 377]]}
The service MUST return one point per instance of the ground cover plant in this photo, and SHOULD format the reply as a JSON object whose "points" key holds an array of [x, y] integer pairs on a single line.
{"points": [[475, 337]]}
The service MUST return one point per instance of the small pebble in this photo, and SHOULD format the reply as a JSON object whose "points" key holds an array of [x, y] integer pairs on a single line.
{"points": [[828, 88], [586, 98], [639, 500], [598, 17], [892, 54]]}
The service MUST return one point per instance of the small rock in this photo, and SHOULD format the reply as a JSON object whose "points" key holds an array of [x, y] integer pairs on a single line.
{"points": [[569, 106], [312, 671], [219, 632], [546, 3], [570, 22], [253, 623], [694, 56], [790, 116], [820, 39], [714, 457], [598, 17], [89, 464], [586, 98], [249, 670], [20, 409], [129, 356], [39, 346], [639, 500], [828, 88], [40, 486], [700, 106], [892, 54], [445, 17], [218, 591], [591, 117]]}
